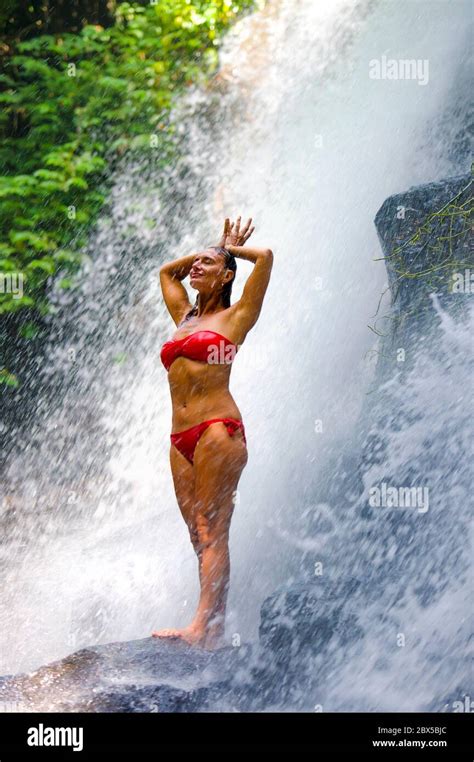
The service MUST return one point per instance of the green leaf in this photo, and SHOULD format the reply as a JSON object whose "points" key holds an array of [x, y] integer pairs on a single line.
{"points": [[46, 264], [8, 379], [29, 331]]}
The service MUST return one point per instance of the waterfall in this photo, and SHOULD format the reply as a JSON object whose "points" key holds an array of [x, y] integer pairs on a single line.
{"points": [[295, 133]]}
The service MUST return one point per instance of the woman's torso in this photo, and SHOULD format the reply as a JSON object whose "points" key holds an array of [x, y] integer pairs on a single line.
{"points": [[200, 390]]}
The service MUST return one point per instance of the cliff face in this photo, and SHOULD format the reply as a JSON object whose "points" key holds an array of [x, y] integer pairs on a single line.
{"points": [[380, 559]]}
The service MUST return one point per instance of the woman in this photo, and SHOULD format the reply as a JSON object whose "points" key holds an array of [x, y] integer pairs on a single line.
{"points": [[208, 446]]}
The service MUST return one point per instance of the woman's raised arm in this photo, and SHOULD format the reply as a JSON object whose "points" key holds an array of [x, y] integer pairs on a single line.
{"points": [[175, 295], [248, 307]]}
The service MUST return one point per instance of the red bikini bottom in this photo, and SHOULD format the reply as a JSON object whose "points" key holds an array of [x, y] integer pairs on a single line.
{"points": [[186, 441]]}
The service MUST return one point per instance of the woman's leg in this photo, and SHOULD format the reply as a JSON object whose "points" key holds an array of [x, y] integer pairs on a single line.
{"points": [[218, 463]]}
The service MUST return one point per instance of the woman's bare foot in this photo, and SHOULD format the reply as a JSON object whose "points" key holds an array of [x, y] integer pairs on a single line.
{"points": [[192, 635], [210, 638]]}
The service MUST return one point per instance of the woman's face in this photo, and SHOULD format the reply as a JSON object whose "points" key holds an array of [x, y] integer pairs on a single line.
{"points": [[208, 271]]}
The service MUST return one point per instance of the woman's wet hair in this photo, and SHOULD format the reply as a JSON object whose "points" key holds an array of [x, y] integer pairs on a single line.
{"points": [[230, 264]]}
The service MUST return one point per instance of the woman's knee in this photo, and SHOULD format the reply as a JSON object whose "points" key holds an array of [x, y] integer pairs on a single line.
{"points": [[211, 533]]}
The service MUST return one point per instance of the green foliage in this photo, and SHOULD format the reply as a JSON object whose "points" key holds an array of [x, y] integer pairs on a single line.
{"points": [[69, 103], [8, 379]]}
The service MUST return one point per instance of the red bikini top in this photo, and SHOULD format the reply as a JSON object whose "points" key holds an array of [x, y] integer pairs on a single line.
{"points": [[203, 346]]}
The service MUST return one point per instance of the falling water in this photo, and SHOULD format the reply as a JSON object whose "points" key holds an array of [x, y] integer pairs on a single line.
{"points": [[294, 133]]}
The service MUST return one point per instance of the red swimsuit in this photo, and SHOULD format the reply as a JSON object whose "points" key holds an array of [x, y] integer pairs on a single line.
{"points": [[214, 349]]}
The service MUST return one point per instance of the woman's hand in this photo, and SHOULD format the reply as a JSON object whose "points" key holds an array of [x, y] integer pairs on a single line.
{"points": [[233, 236]]}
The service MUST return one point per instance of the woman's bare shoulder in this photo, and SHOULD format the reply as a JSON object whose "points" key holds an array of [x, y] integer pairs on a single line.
{"points": [[233, 326]]}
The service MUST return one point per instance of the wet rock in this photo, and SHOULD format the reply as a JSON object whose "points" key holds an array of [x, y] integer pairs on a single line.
{"points": [[425, 237], [307, 617], [149, 675], [153, 675]]}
